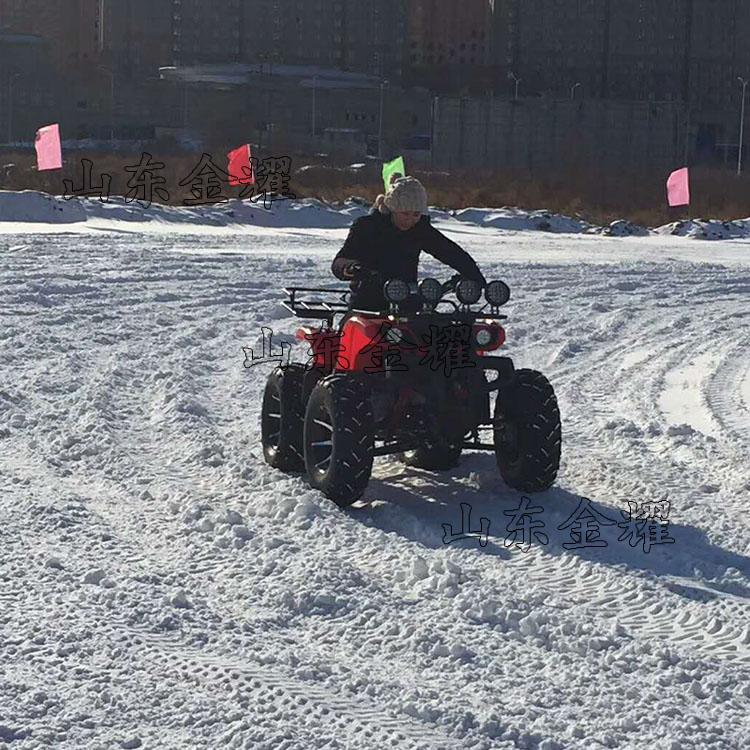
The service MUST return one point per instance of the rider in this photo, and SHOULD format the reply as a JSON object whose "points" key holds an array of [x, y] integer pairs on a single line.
{"points": [[387, 242]]}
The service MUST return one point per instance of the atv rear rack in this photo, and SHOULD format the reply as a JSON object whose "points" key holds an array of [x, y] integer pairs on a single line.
{"points": [[317, 308]]}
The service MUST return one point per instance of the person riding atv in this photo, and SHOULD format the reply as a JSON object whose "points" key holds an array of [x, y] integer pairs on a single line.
{"points": [[401, 368], [386, 244]]}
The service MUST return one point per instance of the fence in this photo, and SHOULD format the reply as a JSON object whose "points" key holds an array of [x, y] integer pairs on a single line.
{"points": [[540, 134]]}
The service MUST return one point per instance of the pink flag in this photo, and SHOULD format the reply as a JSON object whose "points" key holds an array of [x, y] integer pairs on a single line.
{"points": [[240, 170], [678, 188], [48, 149]]}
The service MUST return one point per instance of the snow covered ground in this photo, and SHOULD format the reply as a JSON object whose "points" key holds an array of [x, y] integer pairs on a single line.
{"points": [[162, 587]]}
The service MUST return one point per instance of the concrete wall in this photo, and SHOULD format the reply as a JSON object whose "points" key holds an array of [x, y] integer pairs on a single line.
{"points": [[540, 134]]}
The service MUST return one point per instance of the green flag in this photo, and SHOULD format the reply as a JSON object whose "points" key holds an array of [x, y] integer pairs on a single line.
{"points": [[391, 168]]}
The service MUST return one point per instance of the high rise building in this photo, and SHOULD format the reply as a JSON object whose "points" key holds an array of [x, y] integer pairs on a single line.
{"points": [[374, 37], [347, 34], [294, 32], [443, 32], [685, 50], [689, 51], [449, 43], [136, 36], [70, 27], [204, 32], [551, 46]]}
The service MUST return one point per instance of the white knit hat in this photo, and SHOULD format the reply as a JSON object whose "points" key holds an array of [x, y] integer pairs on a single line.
{"points": [[404, 194]]}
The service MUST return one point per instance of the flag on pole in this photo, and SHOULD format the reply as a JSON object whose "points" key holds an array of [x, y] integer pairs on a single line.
{"points": [[392, 169], [240, 168], [48, 148], [678, 188]]}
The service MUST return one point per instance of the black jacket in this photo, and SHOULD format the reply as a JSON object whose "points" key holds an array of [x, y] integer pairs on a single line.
{"points": [[376, 244]]}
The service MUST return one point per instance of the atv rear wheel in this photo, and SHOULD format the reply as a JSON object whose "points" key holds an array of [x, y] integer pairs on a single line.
{"points": [[339, 438], [434, 457], [282, 418], [527, 433]]}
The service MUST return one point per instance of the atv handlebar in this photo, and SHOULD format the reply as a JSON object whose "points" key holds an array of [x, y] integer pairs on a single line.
{"points": [[450, 285]]}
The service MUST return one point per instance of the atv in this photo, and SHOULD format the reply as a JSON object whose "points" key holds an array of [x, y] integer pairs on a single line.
{"points": [[415, 381]]}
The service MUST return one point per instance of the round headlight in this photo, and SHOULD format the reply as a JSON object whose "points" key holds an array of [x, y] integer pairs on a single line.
{"points": [[468, 291], [497, 293], [484, 336], [396, 290], [431, 290]]}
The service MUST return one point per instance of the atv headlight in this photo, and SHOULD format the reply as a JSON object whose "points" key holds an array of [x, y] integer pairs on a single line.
{"points": [[497, 293], [468, 291], [484, 336], [396, 290], [431, 290]]}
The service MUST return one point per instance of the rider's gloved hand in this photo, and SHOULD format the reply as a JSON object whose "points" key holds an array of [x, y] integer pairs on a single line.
{"points": [[352, 270], [451, 284], [362, 275]]}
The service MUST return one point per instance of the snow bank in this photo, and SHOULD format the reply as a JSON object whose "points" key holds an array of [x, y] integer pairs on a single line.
{"points": [[34, 206], [515, 219], [30, 205], [310, 213], [708, 229]]}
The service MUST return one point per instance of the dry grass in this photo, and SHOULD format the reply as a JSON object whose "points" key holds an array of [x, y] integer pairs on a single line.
{"points": [[588, 194], [592, 197]]}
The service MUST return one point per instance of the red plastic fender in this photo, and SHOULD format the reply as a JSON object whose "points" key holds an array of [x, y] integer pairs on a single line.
{"points": [[359, 345]]}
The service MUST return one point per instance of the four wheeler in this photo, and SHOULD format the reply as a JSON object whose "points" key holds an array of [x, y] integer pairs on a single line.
{"points": [[415, 381]]}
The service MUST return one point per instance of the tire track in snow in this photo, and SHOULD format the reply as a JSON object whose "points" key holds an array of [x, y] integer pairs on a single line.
{"points": [[728, 391], [358, 721], [718, 627], [711, 622]]}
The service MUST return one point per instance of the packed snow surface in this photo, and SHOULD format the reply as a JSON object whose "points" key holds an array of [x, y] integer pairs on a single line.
{"points": [[162, 587]]}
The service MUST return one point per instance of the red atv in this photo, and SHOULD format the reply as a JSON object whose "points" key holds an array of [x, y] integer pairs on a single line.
{"points": [[414, 381]]}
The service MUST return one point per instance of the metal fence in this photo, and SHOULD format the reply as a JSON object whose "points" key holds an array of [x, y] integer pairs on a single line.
{"points": [[543, 134]]}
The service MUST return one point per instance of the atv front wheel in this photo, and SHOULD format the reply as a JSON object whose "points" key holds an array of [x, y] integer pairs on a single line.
{"points": [[339, 438], [527, 433], [282, 418]]}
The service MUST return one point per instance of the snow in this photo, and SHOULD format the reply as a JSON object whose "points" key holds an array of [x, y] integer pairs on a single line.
{"points": [[161, 586]]}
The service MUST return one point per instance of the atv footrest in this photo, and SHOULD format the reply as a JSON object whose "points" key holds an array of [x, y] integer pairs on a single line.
{"points": [[479, 446]]}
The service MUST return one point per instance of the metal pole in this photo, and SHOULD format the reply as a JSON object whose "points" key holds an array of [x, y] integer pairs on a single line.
{"points": [[573, 91], [112, 107], [10, 105], [111, 102], [433, 108], [380, 121], [512, 76], [743, 81], [315, 86], [102, 11], [10, 108]]}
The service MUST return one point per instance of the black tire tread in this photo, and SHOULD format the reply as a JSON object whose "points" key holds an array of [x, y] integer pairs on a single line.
{"points": [[351, 465], [533, 406], [288, 380]]}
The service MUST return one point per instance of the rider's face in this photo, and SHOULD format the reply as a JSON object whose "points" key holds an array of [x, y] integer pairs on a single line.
{"points": [[405, 220]]}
